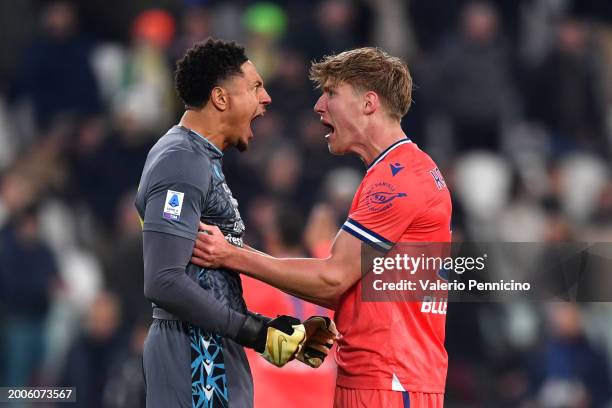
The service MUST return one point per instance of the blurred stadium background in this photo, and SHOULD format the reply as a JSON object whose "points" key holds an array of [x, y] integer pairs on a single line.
{"points": [[513, 99]]}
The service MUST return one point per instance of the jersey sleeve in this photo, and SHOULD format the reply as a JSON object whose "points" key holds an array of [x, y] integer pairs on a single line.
{"points": [[168, 286], [176, 193], [383, 210]]}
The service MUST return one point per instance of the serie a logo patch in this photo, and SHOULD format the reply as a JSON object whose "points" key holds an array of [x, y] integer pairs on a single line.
{"points": [[173, 205]]}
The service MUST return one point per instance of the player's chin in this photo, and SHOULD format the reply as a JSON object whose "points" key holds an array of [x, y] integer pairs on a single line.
{"points": [[335, 149], [243, 144]]}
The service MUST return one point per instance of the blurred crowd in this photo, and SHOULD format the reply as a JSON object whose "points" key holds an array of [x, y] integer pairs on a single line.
{"points": [[513, 99]]}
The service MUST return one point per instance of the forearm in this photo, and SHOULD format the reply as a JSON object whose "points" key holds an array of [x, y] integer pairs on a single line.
{"points": [[315, 280], [174, 291], [327, 303]]}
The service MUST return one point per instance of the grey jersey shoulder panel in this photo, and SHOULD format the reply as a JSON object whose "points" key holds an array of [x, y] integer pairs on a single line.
{"points": [[177, 168]]}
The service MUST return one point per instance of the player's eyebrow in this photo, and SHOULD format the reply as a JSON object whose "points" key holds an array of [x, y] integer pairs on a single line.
{"points": [[258, 82], [328, 88]]}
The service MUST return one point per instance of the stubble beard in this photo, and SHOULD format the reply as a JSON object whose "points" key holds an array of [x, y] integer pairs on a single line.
{"points": [[242, 146]]}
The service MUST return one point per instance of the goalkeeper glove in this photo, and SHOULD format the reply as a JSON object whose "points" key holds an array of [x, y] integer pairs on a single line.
{"points": [[277, 340], [321, 333]]}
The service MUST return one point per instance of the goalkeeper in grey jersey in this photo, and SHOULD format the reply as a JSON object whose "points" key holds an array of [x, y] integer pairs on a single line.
{"points": [[194, 353]]}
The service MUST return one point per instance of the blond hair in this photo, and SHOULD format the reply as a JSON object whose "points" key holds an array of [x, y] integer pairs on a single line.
{"points": [[368, 69]]}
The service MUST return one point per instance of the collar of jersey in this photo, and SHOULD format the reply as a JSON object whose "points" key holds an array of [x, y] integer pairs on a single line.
{"points": [[385, 152], [205, 140]]}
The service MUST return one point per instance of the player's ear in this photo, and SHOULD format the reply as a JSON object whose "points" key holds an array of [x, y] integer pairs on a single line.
{"points": [[219, 98], [371, 102]]}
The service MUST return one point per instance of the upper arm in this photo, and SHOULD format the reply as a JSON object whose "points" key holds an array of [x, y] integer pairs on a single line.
{"points": [[345, 261], [176, 194], [163, 253]]}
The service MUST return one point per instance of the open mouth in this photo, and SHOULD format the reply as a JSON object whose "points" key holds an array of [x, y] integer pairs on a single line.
{"points": [[329, 127], [259, 115], [254, 118]]}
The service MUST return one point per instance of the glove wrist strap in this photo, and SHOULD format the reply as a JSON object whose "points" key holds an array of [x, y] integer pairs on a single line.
{"points": [[252, 333]]}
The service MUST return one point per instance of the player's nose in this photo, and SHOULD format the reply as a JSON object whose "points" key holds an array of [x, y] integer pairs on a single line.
{"points": [[265, 98], [320, 105]]}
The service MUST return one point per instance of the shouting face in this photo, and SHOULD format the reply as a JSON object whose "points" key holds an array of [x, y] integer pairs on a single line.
{"points": [[340, 109], [247, 101]]}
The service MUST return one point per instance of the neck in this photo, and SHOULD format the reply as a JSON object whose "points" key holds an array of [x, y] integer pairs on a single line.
{"points": [[207, 124], [377, 139]]}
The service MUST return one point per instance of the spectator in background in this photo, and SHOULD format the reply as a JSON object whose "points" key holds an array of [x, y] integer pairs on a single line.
{"points": [[106, 163], [282, 174], [146, 102], [123, 263], [339, 189], [55, 72], [334, 29], [125, 387], [290, 85], [193, 27], [16, 192], [285, 239], [28, 277], [473, 86], [320, 230], [393, 29], [261, 212], [94, 351], [568, 370], [565, 92], [602, 217], [265, 23]]}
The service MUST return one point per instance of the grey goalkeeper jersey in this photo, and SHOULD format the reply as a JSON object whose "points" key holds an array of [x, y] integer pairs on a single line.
{"points": [[182, 184]]}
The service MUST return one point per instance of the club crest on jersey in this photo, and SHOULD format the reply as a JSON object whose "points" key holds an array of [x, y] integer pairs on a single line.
{"points": [[173, 205], [437, 176], [380, 196]]}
